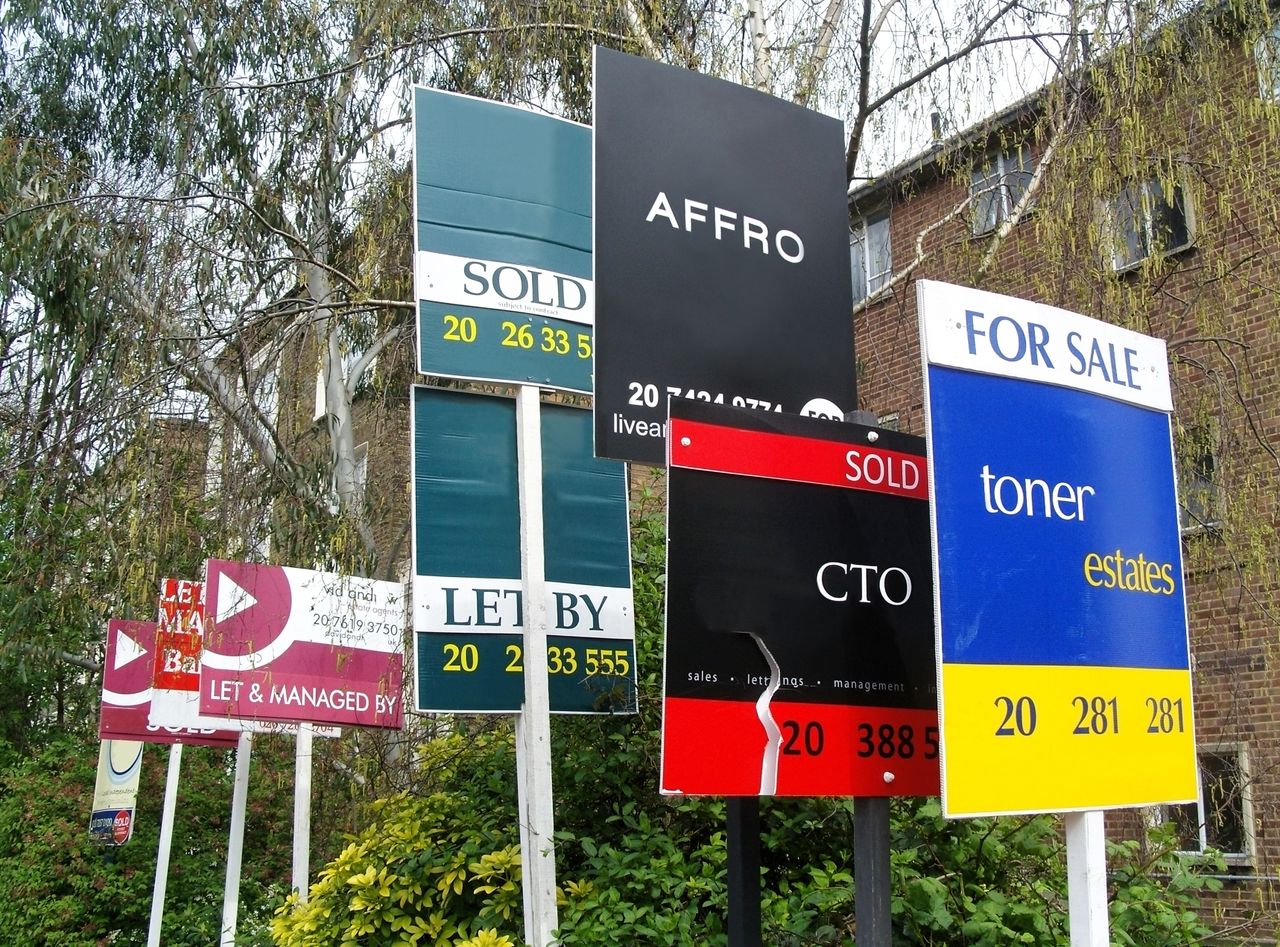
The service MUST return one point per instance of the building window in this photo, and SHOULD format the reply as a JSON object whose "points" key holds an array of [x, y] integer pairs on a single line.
{"points": [[1151, 218], [1222, 817], [870, 254], [997, 186], [1198, 493], [1267, 53]]}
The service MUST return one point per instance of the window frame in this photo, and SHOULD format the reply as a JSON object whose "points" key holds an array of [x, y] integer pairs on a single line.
{"points": [[1145, 243], [1243, 789], [867, 285], [1199, 489], [1004, 171], [1266, 55]]}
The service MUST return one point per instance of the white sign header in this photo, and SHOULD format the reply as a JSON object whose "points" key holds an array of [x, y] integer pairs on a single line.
{"points": [[1000, 335], [513, 287]]}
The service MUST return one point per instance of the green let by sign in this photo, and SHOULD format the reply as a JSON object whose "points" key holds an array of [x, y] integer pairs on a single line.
{"points": [[468, 611]]}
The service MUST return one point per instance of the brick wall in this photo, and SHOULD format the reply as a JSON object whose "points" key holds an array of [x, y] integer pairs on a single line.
{"points": [[1217, 307]]}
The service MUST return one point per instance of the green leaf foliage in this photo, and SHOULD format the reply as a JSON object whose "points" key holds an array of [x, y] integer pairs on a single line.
{"points": [[440, 868], [66, 889], [61, 887]]}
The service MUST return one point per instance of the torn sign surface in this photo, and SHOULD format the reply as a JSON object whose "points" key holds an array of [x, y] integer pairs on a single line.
{"points": [[799, 647]]}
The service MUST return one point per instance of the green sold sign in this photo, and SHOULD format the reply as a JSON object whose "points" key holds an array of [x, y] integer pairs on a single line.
{"points": [[502, 268]]}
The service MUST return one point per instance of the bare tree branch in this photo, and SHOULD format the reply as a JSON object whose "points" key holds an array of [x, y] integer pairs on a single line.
{"points": [[817, 61]]}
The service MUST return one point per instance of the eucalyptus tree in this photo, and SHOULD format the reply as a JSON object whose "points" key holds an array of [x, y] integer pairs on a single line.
{"points": [[250, 144], [218, 191]]}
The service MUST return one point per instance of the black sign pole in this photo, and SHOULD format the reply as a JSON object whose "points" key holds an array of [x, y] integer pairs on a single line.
{"points": [[743, 822], [873, 890], [871, 899]]}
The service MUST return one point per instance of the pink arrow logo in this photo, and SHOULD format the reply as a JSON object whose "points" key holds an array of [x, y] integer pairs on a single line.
{"points": [[126, 680], [251, 606]]}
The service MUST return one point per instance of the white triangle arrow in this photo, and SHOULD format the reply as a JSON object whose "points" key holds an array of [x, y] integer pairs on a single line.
{"points": [[127, 651], [232, 598]]}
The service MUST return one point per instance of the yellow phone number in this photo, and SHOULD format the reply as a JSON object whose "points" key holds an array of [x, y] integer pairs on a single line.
{"points": [[520, 335], [609, 662]]}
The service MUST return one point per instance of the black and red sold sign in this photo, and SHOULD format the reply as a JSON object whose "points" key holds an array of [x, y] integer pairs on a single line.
{"points": [[799, 646]]}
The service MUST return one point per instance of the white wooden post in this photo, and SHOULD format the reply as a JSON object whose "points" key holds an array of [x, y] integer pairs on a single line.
{"points": [[533, 726], [302, 809], [166, 842], [235, 841], [1087, 879]]}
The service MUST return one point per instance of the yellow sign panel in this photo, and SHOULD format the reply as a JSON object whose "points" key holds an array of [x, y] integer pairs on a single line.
{"points": [[1053, 734]]}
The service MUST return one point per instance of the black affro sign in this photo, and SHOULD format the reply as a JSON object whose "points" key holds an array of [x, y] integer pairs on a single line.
{"points": [[799, 641], [721, 253]]}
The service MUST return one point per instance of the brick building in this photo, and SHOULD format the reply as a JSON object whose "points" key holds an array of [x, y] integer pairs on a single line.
{"points": [[1157, 210]]}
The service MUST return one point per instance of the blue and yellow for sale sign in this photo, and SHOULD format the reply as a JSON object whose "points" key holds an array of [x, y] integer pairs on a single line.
{"points": [[1064, 672]]}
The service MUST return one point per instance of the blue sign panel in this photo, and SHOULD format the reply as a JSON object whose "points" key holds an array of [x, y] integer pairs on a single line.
{"points": [[502, 233], [1060, 540]]}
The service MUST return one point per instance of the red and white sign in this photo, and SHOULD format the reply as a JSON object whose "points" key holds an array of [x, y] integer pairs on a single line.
{"points": [[297, 645], [823, 462], [175, 665], [126, 691], [122, 826]]}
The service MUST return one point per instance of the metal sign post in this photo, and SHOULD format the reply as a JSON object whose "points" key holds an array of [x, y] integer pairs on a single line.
{"points": [[743, 838], [872, 904]]}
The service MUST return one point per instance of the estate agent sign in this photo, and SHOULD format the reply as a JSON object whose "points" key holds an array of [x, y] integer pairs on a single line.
{"points": [[799, 646], [721, 253], [1062, 627]]}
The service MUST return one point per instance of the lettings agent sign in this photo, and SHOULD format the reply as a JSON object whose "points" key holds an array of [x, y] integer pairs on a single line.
{"points": [[721, 253], [468, 609], [1062, 629]]}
